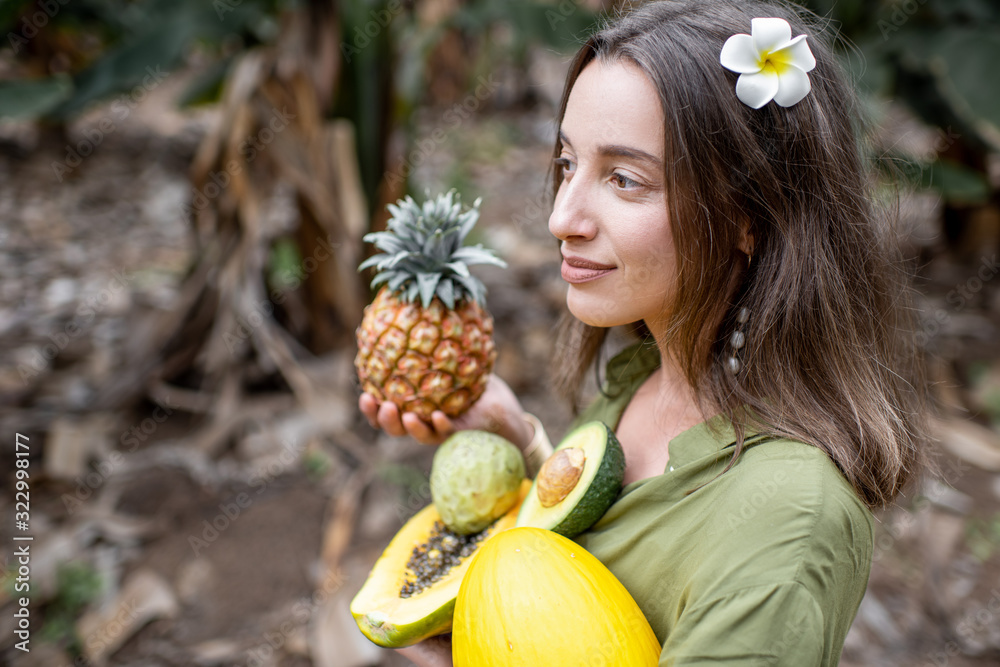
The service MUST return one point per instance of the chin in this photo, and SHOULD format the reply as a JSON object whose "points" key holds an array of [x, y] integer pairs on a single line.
{"points": [[594, 312]]}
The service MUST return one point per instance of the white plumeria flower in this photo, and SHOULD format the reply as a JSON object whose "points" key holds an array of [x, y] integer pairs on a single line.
{"points": [[770, 63]]}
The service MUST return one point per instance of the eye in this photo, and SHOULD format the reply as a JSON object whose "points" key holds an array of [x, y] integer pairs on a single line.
{"points": [[624, 182], [567, 165]]}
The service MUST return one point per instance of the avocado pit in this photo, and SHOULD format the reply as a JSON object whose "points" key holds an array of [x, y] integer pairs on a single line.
{"points": [[559, 475]]}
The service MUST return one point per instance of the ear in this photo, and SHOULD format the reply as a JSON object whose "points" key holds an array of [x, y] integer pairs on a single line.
{"points": [[747, 240]]}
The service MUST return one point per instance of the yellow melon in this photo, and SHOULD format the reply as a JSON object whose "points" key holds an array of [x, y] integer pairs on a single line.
{"points": [[532, 597]]}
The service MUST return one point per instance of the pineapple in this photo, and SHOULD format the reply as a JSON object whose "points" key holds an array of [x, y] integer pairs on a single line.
{"points": [[426, 341]]}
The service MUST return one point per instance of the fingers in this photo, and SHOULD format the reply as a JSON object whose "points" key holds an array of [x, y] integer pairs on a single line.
{"points": [[389, 419], [369, 408], [442, 424], [419, 430]]}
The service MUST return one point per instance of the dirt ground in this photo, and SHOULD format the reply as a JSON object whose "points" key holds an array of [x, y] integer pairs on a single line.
{"points": [[225, 553]]}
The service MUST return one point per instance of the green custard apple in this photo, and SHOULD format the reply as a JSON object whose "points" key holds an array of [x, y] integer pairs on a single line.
{"points": [[475, 479]]}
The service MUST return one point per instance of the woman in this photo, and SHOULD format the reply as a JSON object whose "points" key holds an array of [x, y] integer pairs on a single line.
{"points": [[710, 196]]}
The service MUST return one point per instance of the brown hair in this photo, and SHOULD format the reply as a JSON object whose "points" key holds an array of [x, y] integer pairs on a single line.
{"points": [[830, 357]]}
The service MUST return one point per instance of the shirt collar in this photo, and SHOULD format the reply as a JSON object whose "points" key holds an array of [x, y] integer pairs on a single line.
{"points": [[635, 361], [704, 439]]}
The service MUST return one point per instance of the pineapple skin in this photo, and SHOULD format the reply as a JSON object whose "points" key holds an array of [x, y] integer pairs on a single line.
{"points": [[425, 359]]}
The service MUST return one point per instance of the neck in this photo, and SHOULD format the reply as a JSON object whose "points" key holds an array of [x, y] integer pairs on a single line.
{"points": [[675, 395]]}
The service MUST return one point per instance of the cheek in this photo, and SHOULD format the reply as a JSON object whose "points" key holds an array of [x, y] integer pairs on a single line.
{"points": [[650, 259]]}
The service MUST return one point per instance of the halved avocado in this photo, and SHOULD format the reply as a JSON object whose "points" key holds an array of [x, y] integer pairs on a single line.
{"points": [[578, 483], [393, 621]]}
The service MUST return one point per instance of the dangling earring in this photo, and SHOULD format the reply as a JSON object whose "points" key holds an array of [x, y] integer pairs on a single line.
{"points": [[738, 338], [736, 342]]}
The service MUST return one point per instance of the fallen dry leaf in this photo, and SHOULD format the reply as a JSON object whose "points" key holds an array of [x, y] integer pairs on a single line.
{"points": [[217, 652], [971, 442], [144, 597], [73, 442]]}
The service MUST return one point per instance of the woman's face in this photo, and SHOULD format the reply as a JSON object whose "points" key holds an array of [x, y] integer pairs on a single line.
{"points": [[610, 211]]}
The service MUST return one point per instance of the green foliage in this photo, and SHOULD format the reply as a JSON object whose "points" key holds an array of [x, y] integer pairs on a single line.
{"points": [[140, 43], [77, 585], [560, 26], [991, 403], [367, 59], [32, 98], [206, 88], [316, 463], [982, 536], [284, 266], [504, 33], [8, 580], [409, 478], [957, 183], [985, 387], [939, 58], [384, 54]]}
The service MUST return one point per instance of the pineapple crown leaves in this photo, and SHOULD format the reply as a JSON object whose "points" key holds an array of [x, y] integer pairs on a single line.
{"points": [[422, 252]]}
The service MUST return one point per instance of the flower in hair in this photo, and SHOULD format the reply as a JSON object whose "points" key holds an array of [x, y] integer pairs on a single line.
{"points": [[771, 65]]}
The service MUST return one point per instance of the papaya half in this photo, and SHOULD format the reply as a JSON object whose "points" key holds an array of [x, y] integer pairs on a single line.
{"points": [[401, 604]]}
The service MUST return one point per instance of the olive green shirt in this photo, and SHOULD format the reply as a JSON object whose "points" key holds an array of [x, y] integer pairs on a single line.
{"points": [[763, 565]]}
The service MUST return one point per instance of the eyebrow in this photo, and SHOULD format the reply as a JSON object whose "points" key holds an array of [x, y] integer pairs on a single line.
{"points": [[617, 150]]}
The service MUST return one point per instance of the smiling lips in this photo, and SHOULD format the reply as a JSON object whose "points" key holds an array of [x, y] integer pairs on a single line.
{"points": [[579, 270]]}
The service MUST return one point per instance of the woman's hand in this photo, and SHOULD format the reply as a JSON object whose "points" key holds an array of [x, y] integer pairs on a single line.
{"points": [[497, 411], [432, 652]]}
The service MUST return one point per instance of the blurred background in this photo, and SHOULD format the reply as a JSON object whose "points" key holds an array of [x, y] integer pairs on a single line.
{"points": [[184, 186]]}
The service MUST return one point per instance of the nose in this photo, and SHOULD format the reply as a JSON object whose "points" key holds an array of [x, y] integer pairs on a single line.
{"points": [[572, 217]]}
